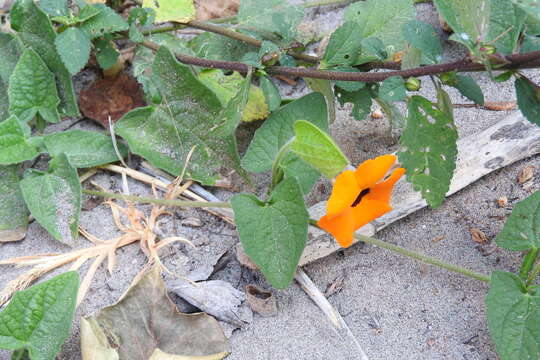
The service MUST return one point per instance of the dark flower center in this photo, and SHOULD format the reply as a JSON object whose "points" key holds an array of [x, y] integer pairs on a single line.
{"points": [[360, 197]]}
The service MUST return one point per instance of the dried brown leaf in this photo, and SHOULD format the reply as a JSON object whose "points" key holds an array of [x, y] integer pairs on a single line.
{"points": [[502, 201], [262, 302], [526, 174], [478, 236], [500, 105], [213, 9], [111, 97]]}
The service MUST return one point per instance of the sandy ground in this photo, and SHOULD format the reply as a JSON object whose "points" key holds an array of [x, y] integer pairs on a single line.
{"points": [[396, 307]]}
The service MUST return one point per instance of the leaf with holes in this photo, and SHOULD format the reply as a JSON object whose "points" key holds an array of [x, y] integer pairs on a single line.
{"points": [[15, 145], [382, 19], [181, 11], [318, 149], [39, 319], [360, 99], [513, 316], [83, 148], [344, 45], [429, 150], [32, 89], [54, 198], [190, 115], [393, 89], [13, 211], [528, 99], [273, 232], [73, 46], [35, 31], [522, 229], [106, 21]]}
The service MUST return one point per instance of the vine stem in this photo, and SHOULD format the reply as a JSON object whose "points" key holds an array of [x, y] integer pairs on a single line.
{"points": [[166, 202], [277, 172], [521, 61], [418, 256], [533, 274]]}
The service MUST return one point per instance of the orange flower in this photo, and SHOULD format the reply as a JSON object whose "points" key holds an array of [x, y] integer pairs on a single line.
{"points": [[359, 197]]}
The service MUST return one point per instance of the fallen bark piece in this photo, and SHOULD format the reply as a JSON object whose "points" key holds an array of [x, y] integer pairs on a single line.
{"points": [[510, 140], [217, 298], [261, 301]]}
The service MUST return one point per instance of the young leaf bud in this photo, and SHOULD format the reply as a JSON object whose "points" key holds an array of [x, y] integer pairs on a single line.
{"points": [[413, 84]]}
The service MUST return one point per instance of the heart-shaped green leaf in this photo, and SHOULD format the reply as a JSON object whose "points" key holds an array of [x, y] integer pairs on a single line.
{"points": [[274, 232], [15, 146], [13, 211], [522, 229]]}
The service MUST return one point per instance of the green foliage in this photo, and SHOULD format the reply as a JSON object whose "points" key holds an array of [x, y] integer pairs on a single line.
{"points": [[270, 16], [361, 100], [32, 89], [106, 54], [35, 31], [532, 7], [190, 115], [393, 89], [513, 315], [273, 232], [15, 145], [39, 319], [382, 19], [505, 26], [424, 38], [55, 7], [318, 149], [10, 50], [344, 45], [429, 150], [54, 198], [216, 47], [73, 46], [83, 148], [325, 88], [105, 22], [13, 211], [271, 93], [466, 85], [522, 229], [528, 99], [180, 11]]}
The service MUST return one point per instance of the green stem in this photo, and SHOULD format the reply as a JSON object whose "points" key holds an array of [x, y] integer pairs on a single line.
{"points": [[528, 262], [418, 256], [533, 274], [277, 171], [146, 200]]}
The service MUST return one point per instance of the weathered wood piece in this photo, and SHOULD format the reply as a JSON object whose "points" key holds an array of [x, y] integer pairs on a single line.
{"points": [[510, 140]]}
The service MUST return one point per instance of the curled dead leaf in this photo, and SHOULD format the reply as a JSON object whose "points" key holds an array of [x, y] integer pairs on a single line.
{"points": [[16, 234], [526, 174], [213, 9], [377, 114], [478, 236], [262, 302], [500, 105], [502, 201], [111, 97]]}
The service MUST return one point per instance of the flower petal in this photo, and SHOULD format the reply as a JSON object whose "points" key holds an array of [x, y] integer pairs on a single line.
{"points": [[372, 171], [340, 226], [383, 191], [368, 210], [344, 193]]}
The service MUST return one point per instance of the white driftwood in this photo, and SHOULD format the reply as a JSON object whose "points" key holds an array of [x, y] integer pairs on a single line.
{"points": [[508, 141]]}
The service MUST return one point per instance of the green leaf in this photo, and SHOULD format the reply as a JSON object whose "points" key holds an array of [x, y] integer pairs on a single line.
{"points": [[393, 89], [325, 88], [424, 38], [83, 148], [522, 229], [344, 45], [54, 198], [181, 11], [513, 316], [14, 144], [429, 150], [227, 86], [55, 7], [73, 46], [348, 85], [217, 47], [382, 19], [106, 22], [530, 43], [305, 174], [271, 16], [412, 58], [361, 100], [271, 93], [39, 319], [87, 12], [318, 149], [13, 211], [273, 233], [373, 49], [468, 87], [36, 32], [10, 51], [190, 115], [468, 18], [106, 54], [278, 129], [32, 89], [532, 7], [528, 99], [506, 25]]}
